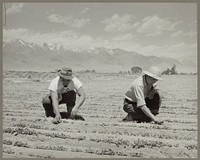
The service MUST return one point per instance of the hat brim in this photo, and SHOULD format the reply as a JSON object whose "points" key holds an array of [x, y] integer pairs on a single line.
{"points": [[65, 77], [152, 75]]}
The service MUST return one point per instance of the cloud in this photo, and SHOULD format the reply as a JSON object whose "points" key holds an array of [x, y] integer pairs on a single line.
{"points": [[69, 39], [68, 20], [12, 34], [122, 41], [15, 8], [156, 26], [180, 46], [176, 34], [123, 37], [149, 50], [179, 51], [190, 34], [118, 23], [183, 51], [85, 10]]}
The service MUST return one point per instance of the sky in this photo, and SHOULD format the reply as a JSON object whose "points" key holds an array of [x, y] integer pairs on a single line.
{"points": [[150, 29]]}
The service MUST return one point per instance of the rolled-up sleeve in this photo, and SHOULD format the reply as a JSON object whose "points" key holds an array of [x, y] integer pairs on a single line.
{"points": [[139, 95], [77, 83], [53, 86]]}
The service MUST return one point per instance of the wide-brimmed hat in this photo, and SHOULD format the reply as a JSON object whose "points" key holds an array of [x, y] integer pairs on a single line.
{"points": [[154, 72], [65, 73]]}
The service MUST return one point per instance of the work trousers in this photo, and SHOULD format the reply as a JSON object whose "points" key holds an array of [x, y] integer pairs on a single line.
{"points": [[136, 114], [68, 98]]}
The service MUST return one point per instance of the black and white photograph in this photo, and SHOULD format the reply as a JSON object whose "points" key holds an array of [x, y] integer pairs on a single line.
{"points": [[99, 80]]}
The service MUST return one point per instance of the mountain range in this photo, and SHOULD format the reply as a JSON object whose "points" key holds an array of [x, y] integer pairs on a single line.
{"points": [[21, 55]]}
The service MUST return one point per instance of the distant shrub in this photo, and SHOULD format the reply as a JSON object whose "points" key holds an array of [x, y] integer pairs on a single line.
{"points": [[88, 71], [136, 70], [171, 71]]}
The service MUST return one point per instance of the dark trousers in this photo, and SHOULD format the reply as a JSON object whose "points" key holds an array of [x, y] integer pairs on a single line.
{"points": [[68, 98], [136, 114]]}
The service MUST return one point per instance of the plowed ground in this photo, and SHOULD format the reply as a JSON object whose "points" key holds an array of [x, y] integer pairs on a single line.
{"points": [[27, 133]]}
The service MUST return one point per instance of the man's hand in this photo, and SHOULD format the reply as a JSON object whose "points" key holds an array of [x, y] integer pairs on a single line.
{"points": [[57, 119], [74, 112], [158, 121]]}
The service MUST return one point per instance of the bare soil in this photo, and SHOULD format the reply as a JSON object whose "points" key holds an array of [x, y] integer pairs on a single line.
{"points": [[28, 134]]}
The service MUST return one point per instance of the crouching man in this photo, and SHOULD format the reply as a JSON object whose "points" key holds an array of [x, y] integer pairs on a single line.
{"points": [[63, 90], [142, 101]]}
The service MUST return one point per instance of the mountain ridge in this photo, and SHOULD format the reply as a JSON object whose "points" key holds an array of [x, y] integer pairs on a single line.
{"points": [[21, 55]]}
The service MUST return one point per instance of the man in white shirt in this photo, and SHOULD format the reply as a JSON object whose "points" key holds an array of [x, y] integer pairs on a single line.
{"points": [[63, 89], [142, 101]]}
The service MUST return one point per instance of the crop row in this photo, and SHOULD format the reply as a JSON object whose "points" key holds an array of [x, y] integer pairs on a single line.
{"points": [[17, 143], [16, 131], [27, 131], [23, 128], [137, 133], [107, 151], [133, 144], [12, 151]]}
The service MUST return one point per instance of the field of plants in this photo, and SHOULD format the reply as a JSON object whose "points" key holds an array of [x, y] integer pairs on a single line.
{"points": [[28, 134]]}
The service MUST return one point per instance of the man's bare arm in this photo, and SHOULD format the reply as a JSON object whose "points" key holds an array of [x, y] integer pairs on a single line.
{"points": [[54, 97], [82, 98]]}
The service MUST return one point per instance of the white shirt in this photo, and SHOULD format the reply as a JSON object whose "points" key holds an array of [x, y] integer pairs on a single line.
{"points": [[138, 91], [57, 86]]}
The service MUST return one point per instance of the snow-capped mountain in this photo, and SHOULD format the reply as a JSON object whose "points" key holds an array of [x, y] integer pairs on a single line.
{"points": [[21, 55]]}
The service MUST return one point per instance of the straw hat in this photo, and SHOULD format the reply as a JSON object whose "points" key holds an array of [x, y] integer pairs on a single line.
{"points": [[65, 73], [154, 72]]}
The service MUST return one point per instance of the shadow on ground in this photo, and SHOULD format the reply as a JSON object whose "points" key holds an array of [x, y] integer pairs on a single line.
{"points": [[66, 115]]}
